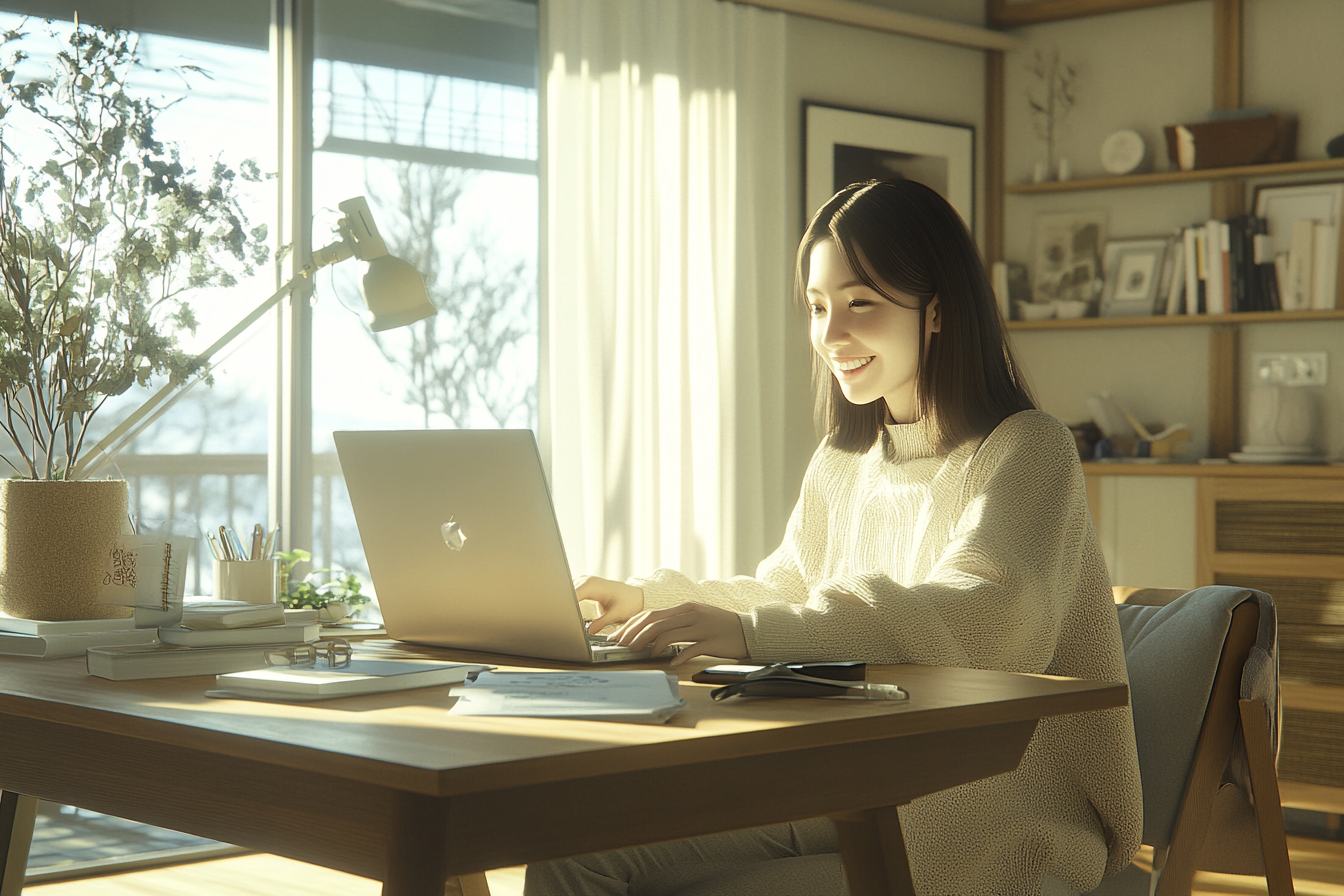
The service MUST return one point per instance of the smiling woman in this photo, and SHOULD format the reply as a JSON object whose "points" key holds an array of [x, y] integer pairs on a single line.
{"points": [[942, 521]]}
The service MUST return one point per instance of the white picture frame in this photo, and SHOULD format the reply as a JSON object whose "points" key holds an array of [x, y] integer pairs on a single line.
{"points": [[1280, 206], [844, 146], [1133, 269]]}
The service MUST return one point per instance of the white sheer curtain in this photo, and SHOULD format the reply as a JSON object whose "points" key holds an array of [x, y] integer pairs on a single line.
{"points": [[666, 281]]}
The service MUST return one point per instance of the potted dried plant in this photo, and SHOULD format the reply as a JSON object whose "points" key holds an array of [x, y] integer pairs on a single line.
{"points": [[103, 231]]}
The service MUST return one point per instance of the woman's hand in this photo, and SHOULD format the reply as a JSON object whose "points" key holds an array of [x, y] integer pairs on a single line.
{"points": [[708, 631], [616, 601]]}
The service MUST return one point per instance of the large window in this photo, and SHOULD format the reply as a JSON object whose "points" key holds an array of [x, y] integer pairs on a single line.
{"points": [[431, 115]]}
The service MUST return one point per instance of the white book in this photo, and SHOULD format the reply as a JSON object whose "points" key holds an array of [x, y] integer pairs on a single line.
{"points": [[360, 676], [216, 614], [289, 633], [67, 627], [1284, 279], [73, 644], [135, 662], [1191, 239], [1300, 265], [1324, 266]]}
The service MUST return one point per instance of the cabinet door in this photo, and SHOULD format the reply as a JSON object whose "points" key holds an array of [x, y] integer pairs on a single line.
{"points": [[1147, 528]]}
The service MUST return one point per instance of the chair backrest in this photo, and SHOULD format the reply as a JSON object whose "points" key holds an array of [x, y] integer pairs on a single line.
{"points": [[1174, 654]]}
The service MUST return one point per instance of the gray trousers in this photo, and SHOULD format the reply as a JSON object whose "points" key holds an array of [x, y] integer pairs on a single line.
{"points": [[798, 859]]}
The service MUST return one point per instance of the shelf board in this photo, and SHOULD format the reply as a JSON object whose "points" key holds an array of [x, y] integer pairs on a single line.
{"points": [[1008, 15], [1213, 470], [1176, 320], [1277, 169]]}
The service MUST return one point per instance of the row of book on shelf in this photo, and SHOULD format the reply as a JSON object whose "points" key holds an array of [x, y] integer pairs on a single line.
{"points": [[1221, 267]]}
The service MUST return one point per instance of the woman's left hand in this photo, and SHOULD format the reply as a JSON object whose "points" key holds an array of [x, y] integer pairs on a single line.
{"points": [[706, 630]]}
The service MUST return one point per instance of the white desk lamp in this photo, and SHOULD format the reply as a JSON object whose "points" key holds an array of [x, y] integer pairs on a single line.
{"points": [[394, 293]]}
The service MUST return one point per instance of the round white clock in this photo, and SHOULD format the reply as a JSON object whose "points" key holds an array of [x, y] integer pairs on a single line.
{"points": [[1122, 152]]}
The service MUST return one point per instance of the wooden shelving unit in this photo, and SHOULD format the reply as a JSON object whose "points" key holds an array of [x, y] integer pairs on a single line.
{"points": [[1230, 497]]}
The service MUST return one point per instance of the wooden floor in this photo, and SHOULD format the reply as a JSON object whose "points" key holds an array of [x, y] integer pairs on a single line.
{"points": [[1318, 870]]}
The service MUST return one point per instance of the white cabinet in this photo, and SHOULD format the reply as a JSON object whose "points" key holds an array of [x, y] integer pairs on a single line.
{"points": [[1147, 528]]}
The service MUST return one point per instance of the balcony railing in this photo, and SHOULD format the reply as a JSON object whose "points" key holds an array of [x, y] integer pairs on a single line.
{"points": [[205, 491]]}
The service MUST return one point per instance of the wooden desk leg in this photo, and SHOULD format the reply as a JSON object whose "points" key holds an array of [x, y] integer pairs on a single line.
{"points": [[415, 848], [873, 851], [18, 814]]}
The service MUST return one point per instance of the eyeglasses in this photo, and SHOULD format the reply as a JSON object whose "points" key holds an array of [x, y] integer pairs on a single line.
{"points": [[335, 652]]}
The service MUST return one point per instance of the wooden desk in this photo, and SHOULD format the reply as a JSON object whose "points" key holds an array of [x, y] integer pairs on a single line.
{"points": [[390, 787]]}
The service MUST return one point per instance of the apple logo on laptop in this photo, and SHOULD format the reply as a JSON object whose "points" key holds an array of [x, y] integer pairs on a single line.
{"points": [[453, 536]]}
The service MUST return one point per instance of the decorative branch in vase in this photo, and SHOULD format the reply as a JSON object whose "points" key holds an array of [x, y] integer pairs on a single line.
{"points": [[103, 232], [1050, 98]]}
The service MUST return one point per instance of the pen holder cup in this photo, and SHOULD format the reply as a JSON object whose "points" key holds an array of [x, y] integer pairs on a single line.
{"points": [[254, 581]]}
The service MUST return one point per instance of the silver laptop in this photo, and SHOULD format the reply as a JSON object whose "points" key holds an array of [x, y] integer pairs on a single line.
{"points": [[462, 543]]}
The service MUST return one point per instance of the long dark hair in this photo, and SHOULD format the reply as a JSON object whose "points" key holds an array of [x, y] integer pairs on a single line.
{"points": [[902, 235]]}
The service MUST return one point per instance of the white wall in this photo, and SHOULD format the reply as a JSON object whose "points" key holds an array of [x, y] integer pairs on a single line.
{"points": [[870, 71], [1146, 69]]}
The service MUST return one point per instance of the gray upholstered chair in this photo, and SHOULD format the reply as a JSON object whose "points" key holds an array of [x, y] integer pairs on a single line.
{"points": [[1203, 677]]}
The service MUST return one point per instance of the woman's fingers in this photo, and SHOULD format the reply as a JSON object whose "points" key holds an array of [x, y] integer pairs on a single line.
{"points": [[707, 631], [616, 601]]}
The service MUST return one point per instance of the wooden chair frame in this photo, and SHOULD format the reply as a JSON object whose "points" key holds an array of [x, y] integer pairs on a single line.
{"points": [[1227, 718]]}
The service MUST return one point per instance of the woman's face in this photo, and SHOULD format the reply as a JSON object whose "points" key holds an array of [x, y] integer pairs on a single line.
{"points": [[870, 344]]}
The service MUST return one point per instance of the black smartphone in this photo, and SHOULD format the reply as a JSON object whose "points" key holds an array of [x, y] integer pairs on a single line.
{"points": [[729, 674]]}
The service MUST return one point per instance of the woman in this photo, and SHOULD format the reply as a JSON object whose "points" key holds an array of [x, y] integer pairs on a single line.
{"points": [[943, 520]]}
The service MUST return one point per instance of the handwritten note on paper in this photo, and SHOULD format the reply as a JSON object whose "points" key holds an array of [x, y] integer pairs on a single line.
{"points": [[145, 572], [645, 695]]}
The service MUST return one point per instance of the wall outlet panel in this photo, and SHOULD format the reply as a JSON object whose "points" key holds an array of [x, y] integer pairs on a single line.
{"points": [[1291, 368]]}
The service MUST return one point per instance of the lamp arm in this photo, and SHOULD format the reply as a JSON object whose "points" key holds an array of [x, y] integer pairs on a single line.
{"points": [[142, 417]]}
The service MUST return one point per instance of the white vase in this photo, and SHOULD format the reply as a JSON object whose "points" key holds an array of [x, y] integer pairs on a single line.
{"points": [[55, 538], [1281, 417]]}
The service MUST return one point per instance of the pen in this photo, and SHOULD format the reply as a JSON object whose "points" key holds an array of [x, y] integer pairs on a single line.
{"points": [[269, 551], [214, 545], [872, 690], [239, 552], [256, 541], [225, 544]]}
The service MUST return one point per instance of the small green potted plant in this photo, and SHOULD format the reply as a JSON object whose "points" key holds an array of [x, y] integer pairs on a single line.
{"points": [[334, 593], [104, 232]]}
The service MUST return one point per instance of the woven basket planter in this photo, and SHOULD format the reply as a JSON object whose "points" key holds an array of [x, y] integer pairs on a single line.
{"points": [[54, 542]]}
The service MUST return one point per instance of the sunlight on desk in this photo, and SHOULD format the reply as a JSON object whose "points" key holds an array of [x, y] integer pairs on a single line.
{"points": [[246, 876]]}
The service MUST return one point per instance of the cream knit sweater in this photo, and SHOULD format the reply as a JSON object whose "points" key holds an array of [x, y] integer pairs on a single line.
{"points": [[984, 557]]}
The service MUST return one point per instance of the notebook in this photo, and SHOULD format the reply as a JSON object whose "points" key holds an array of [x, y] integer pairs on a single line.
{"points": [[462, 543]]}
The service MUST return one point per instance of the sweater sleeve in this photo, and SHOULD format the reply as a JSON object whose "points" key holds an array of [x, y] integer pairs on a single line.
{"points": [[999, 592], [779, 577]]}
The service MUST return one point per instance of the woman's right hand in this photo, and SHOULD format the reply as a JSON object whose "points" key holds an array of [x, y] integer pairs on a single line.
{"points": [[616, 601]]}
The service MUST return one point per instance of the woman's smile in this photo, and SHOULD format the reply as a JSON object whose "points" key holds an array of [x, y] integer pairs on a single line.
{"points": [[850, 366]]}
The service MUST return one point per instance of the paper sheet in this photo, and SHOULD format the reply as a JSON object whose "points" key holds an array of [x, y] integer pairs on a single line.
{"points": [[621, 696]]}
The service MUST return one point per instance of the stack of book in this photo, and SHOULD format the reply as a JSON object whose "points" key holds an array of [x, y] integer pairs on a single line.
{"points": [[50, 640], [1220, 267], [214, 637]]}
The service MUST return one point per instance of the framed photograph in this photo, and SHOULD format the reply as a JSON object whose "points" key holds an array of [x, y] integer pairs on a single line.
{"points": [[1281, 206], [1066, 257], [1133, 274], [842, 146]]}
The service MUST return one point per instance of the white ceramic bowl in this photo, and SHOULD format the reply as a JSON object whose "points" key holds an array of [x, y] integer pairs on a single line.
{"points": [[1069, 310], [1032, 311]]}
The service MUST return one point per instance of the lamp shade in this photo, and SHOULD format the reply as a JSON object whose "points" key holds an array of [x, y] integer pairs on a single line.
{"points": [[395, 294]]}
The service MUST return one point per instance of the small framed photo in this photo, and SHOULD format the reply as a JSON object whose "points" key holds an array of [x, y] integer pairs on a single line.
{"points": [[844, 146], [1133, 274]]}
